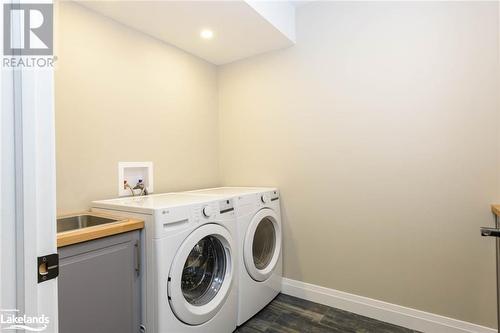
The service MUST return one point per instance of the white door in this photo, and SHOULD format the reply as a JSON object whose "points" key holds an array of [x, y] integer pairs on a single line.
{"points": [[27, 197], [262, 245], [201, 275]]}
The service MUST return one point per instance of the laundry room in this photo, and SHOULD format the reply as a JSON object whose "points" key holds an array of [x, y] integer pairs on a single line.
{"points": [[250, 166]]}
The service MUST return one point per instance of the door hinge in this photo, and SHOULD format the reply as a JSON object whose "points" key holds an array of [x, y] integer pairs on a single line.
{"points": [[48, 267]]}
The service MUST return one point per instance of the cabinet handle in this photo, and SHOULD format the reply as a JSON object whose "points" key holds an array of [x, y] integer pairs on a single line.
{"points": [[137, 250]]}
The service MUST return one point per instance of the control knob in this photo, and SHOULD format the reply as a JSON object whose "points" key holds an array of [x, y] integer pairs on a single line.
{"points": [[207, 211], [265, 198]]}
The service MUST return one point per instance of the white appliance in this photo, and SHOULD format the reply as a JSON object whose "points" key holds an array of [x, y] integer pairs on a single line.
{"points": [[189, 280], [259, 237]]}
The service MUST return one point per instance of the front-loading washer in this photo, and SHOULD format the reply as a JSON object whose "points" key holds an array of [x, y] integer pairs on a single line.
{"points": [[189, 280], [259, 240]]}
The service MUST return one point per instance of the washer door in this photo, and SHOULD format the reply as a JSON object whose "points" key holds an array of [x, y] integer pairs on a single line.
{"points": [[262, 245], [201, 274]]}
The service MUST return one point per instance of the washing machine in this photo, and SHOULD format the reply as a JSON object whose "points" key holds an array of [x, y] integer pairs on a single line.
{"points": [[189, 282], [259, 238]]}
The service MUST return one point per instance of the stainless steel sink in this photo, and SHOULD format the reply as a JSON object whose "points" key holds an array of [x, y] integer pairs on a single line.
{"points": [[81, 221]]}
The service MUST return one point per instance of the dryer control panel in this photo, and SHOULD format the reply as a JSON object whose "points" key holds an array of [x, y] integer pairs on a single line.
{"points": [[274, 195], [268, 197]]}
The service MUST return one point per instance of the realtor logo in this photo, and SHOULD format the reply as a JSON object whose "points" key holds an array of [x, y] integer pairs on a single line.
{"points": [[34, 23], [13, 320]]}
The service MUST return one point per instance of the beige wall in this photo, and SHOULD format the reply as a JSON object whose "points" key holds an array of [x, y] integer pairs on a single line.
{"points": [[122, 96], [380, 127]]}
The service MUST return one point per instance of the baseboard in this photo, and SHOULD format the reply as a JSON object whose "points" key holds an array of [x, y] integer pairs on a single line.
{"points": [[390, 313]]}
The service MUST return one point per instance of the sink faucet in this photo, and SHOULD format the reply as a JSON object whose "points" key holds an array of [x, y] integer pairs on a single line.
{"points": [[140, 186]]}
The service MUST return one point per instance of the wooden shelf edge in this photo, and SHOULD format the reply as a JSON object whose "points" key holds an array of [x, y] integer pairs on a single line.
{"points": [[96, 232], [495, 209]]}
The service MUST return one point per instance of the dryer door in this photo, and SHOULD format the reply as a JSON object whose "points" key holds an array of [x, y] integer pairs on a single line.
{"points": [[262, 245], [201, 274]]}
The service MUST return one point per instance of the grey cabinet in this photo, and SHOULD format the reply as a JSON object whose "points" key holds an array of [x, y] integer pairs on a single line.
{"points": [[99, 285]]}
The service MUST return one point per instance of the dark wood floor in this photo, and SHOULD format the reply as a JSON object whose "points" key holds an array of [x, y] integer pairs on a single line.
{"points": [[287, 314]]}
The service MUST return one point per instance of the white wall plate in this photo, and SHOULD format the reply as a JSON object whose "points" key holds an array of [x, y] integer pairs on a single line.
{"points": [[132, 172]]}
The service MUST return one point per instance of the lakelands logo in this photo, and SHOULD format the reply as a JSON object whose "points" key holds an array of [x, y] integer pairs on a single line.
{"points": [[11, 320], [28, 35]]}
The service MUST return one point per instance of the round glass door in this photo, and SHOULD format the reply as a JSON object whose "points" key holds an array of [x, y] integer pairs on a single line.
{"points": [[262, 245], [204, 271], [264, 242], [201, 274]]}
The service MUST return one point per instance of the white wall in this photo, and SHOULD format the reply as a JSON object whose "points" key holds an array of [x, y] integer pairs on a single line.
{"points": [[381, 128], [124, 96]]}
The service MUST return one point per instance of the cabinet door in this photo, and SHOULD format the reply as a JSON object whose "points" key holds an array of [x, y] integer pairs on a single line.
{"points": [[99, 286]]}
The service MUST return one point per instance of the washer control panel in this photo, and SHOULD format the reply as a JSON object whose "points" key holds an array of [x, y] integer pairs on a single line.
{"points": [[226, 206], [207, 211]]}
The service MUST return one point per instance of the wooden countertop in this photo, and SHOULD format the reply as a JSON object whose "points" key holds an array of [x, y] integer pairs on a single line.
{"points": [[495, 209], [123, 224]]}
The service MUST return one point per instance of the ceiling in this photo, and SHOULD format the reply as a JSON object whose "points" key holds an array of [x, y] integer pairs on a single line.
{"points": [[300, 3], [240, 31]]}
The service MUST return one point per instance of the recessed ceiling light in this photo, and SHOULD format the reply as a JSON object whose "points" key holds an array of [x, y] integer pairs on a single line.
{"points": [[206, 34]]}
